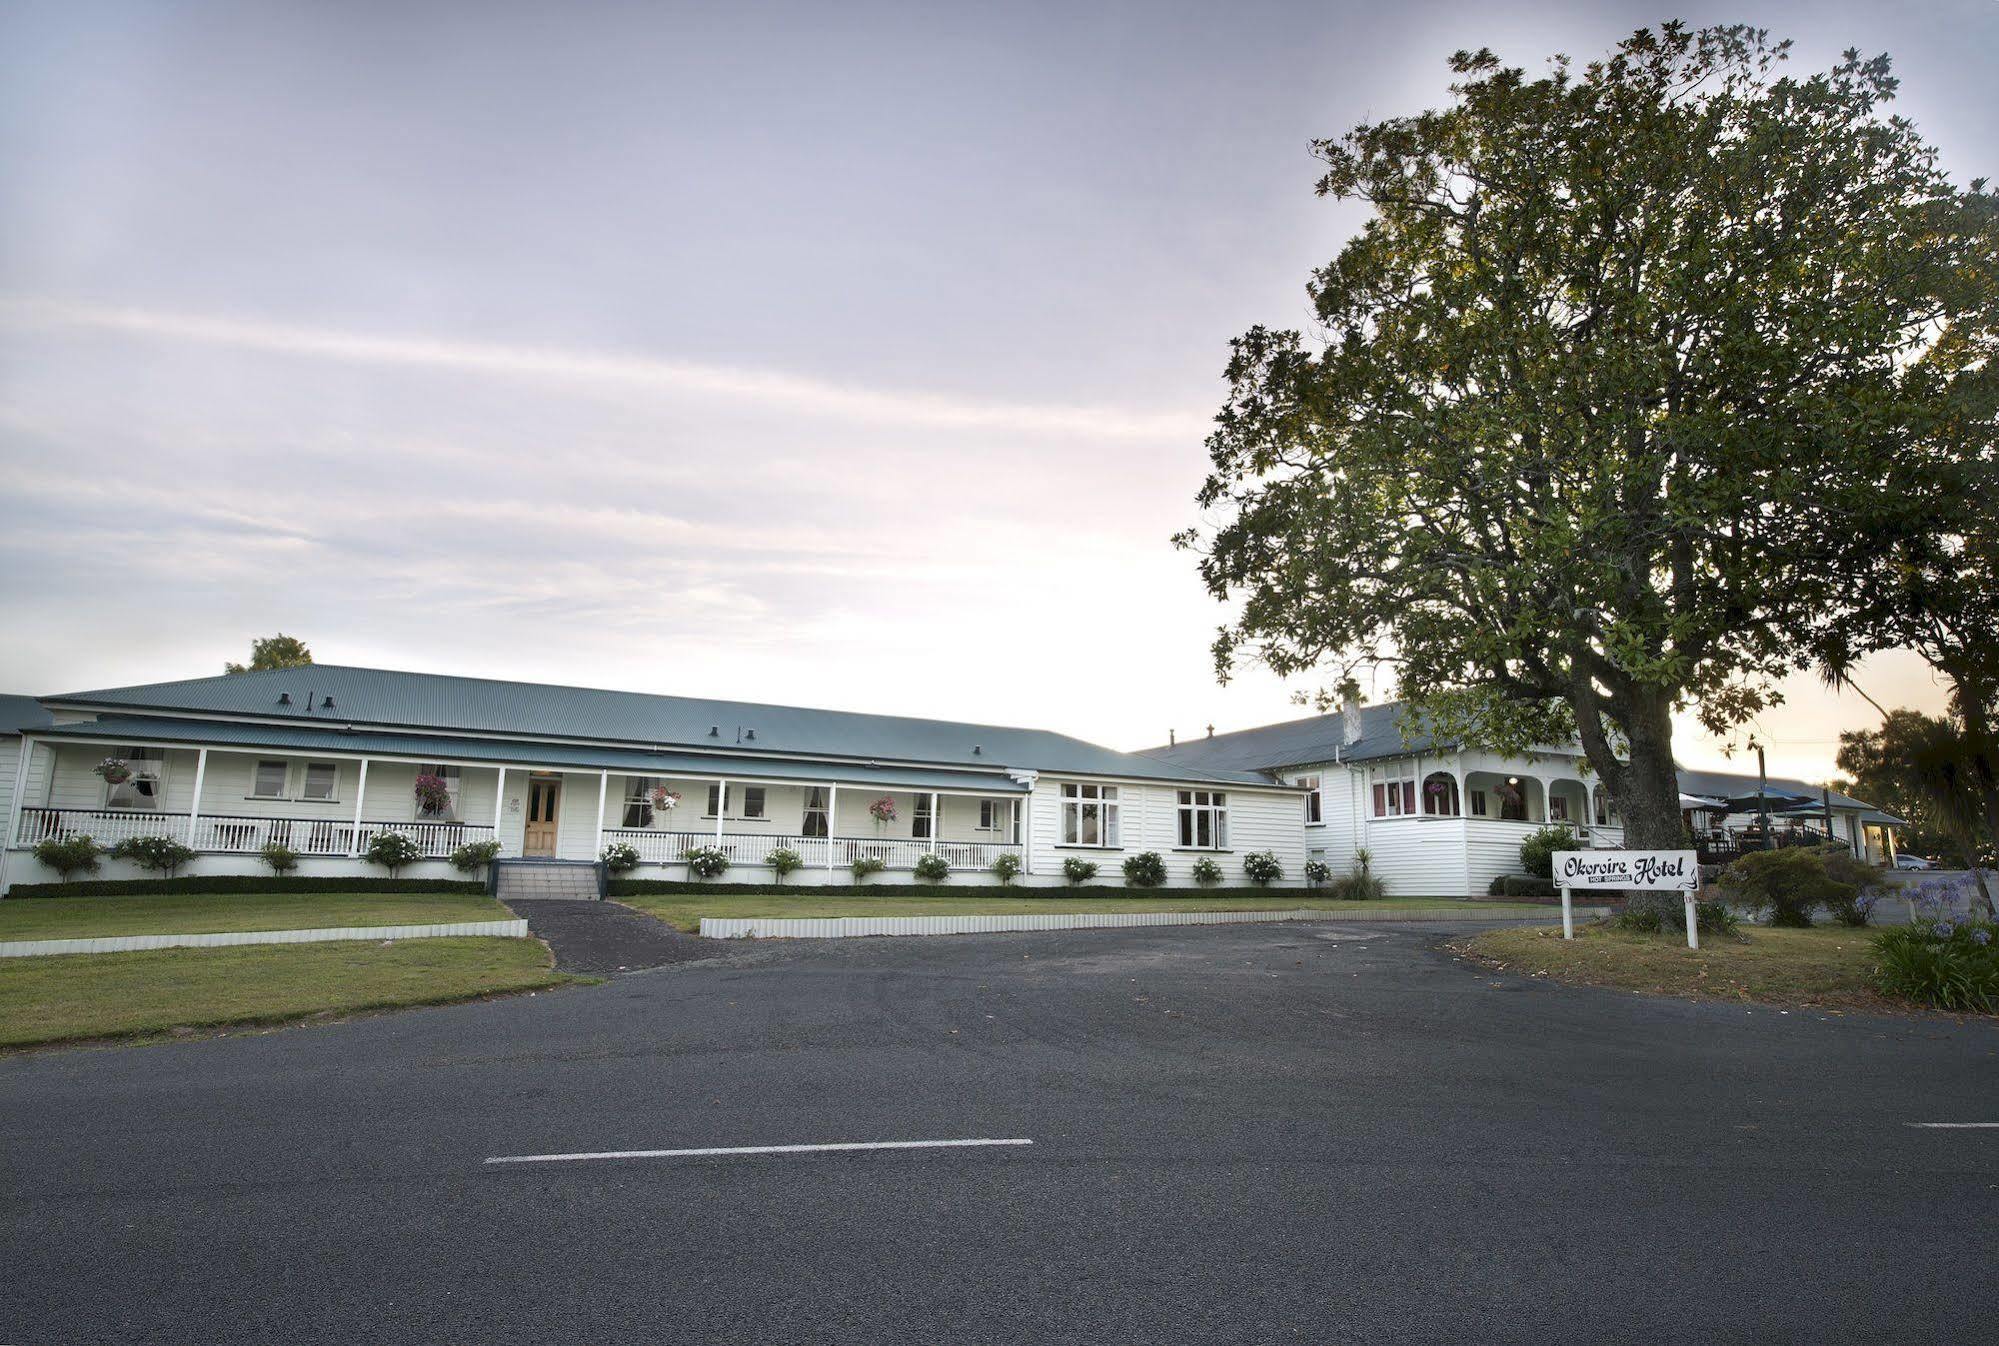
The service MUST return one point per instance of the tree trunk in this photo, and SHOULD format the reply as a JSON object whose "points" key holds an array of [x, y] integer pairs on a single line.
{"points": [[1646, 785]]}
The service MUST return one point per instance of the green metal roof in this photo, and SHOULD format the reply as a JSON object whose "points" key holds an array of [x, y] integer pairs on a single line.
{"points": [[376, 699], [21, 712], [556, 756]]}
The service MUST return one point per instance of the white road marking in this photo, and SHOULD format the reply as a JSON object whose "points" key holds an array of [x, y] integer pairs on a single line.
{"points": [[752, 1149], [1955, 1126]]}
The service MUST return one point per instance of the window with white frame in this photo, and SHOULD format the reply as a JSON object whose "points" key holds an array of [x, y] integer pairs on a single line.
{"points": [[269, 780], [1315, 799], [1394, 789], [1204, 820], [718, 800], [322, 779], [1558, 807], [638, 802], [813, 824], [451, 776], [986, 822], [920, 819], [1090, 815], [1606, 809], [1477, 799], [753, 801], [142, 787]]}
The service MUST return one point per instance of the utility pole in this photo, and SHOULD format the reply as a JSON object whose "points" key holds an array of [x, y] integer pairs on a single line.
{"points": [[1763, 797]]}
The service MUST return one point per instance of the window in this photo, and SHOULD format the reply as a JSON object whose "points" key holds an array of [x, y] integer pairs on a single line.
{"points": [[638, 802], [1315, 802], [450, 776], [269, 782], [1090, 815], [142, 789], [1606, 810], [753, 801], [718, 799], [814, 822], [1440, 794], [1478, 803], [1558, 808], [919, 818], [986, 816], [321, 780], [1204, 820], [1394, 789]]}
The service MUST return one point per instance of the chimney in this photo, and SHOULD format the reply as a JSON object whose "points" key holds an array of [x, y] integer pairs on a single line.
{"points": [[1350, 715]]}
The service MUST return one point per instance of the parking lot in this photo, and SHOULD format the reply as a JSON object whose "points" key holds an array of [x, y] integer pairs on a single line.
{"points": [[1305, 1132]]}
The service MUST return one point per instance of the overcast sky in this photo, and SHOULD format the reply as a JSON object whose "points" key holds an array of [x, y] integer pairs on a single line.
{"points": [[849, 355]]}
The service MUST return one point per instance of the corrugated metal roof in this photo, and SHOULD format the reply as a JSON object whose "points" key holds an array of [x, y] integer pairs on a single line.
{"points": [[309, 739], [1729, 784], [22, 712], [1317, 738], [384, 698]]}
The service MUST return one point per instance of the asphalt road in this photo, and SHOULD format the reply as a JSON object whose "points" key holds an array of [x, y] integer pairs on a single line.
{"points": [[1241, 1134]]}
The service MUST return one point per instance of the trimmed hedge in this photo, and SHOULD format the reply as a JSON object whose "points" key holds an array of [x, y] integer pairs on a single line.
{"points": [[239, 883], [1520, 885], [635, 887]]}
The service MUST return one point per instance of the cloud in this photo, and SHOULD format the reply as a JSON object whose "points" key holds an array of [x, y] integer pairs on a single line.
{"points": [[762, 388]]}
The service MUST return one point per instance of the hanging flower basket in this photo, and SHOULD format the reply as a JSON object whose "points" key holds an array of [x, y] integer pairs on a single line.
{"points": [[433, 796], [883, 810], [665, 800], [1438, 790], [1508, 791], [115, 770]]}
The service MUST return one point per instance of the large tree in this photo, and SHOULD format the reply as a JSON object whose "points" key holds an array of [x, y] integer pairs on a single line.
{"points": [[1571, 446], [1895, 767], [268, 652]]}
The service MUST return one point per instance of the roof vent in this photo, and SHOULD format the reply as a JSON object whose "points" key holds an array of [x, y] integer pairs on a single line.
{"points": [[1171, 738], [1211, 731], [327, 704], [714, 731], [750, 734], [977, 750], [284, 698]]}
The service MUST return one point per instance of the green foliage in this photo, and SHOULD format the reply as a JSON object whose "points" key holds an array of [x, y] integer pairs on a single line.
{"points": [[784, 861], [1710, 918], [862, 867], [281, 858], [1787, 882], [162, 855], [1537, 852], [1206, 872], [1147, 869], [706, 862], [1880, 764], [1078, 870], [279, 651], [1359, 886], [1006, 868], [69, 855], [1946, 964], [1585, 432], [620, 857], [392, 851], [1317, 872], [1520, 885], [932, 868], [1262, 868]]}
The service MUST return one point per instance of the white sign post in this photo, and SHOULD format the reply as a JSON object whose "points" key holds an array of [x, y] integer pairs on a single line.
{"points": [[1650, 871]]}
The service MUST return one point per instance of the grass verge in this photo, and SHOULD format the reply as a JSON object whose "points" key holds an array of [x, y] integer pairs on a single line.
{"points": [[684, 911], [209, 913], [77, 997], [1828, 968]]}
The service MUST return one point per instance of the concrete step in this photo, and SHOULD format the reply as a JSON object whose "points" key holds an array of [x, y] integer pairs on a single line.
{"points": [[517, 879]]}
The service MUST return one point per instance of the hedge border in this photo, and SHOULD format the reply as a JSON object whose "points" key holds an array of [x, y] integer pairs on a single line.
{"points": [[240, 883], [640, 887]]}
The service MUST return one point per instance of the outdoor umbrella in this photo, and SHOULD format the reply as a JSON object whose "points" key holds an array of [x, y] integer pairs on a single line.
{"points": [[1697, 804], [1776, 801]]}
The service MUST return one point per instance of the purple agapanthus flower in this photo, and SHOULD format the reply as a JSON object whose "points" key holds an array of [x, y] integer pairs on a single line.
{"points": [[1981, 936]]}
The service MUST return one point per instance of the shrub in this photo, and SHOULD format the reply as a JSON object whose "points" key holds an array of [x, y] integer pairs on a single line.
{"points": [[1006, 868], [69, 855], [281, 858], [932, 868], [1147, 869], [1867, 881], [1262, 868], [706, 862], [1206, 872], [784, 860], [1537, 852], [620, 857], [1359, 886], [1710, 918], [1952, 965], [1519, 885], [865, 865], [1317, 872], [474, 856], [392, 850], [1078, 870], [1789, 882], [162, 855]]}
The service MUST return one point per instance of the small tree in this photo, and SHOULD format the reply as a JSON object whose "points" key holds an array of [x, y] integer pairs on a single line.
{"points": [[1006, 868], [69, 855], [281, 858], [392, 851], [932, 868], [474, 856], [864, 865], [784, 861], [1788, 882], [1262, 868], [162, 855], [1206, 872], [1147, 869], [1078, 870], [620, 857], [706, 862]]}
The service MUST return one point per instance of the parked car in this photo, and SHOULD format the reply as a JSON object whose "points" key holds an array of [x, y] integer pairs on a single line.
{"points": [[1906, 861]]}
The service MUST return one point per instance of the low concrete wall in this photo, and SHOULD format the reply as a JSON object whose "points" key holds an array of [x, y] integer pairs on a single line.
{"points": [[39, 948], [844, 927]]}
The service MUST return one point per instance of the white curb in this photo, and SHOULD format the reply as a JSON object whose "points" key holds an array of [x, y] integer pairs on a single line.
{"points": [[844, 927], [38, 948]]}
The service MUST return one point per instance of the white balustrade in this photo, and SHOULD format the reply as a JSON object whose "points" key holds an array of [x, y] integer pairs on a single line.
{"points": [[107, 827], [658, 847]]}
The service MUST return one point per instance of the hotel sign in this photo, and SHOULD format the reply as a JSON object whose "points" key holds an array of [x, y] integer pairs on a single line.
{"points": [[1658, 871]]}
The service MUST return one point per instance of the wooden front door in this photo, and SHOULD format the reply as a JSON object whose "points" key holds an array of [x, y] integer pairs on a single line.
{"points": [[544, 802]]}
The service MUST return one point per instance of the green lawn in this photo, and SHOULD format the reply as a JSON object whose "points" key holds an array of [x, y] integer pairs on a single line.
{"points": [[1828, 966], [77, 996], [685, 910], [208, 913]]}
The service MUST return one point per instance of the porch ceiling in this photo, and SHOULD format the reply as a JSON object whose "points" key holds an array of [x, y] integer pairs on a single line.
{"points": [[502, 752]]}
